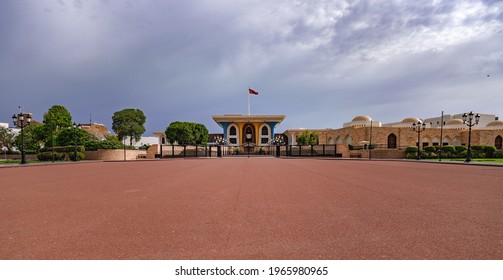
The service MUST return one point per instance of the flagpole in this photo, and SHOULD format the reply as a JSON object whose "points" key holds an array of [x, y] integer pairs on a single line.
{"points": [[248, 103], [441, 136]]}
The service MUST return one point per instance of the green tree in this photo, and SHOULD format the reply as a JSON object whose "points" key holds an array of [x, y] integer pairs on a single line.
{"points": [[201, 134], [308, 138], [6, 138], [57, 116], [66, 137], [33, 138], [129, 122], [187, 133]]}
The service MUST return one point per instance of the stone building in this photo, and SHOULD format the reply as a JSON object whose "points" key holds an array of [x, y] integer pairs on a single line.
{"points": [[363, 130], [390, 140]]}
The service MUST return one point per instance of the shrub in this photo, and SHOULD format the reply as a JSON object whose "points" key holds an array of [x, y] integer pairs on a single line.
{"points": [[410, 156], [430, 149], [478, 154], [449, 149], [69, 149], [432, 155], [47, 156], [411, 149], [498, 154], [92, 145], [144, 147], [461, 148], [478, 148], [110, 143], [80, 155], [489, 151]]}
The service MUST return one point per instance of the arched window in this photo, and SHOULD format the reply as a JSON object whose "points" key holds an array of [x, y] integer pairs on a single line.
{"points": [[498, 142], [447, 141], [265, 131], [233, 134], [330, 141], [265, 136], [348, 140], [392, 141]]}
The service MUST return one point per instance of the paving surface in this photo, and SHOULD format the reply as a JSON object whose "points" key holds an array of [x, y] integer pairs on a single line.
{"points": [[251, 208]]}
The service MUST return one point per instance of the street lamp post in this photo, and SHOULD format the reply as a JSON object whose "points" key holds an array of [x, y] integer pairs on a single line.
{"points": [[53, 127], [419, 127], [19, 121], [219, 141], [370, 142], [468, 120], [278, 141], [75, 126]]}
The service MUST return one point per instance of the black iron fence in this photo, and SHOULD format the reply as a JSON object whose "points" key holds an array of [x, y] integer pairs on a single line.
{"points": [[173, 151]]}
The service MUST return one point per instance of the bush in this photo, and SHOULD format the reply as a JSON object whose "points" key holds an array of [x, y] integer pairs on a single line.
{"points": [[92, 145], [411, 149], [478, 154], [489, 151], [410, 156], [463, 154], [110, 143], [498, 155], [478, 148], [461, 148], [430, 149], [80, 155], [449, 149], [69, 149], [47, 156]]}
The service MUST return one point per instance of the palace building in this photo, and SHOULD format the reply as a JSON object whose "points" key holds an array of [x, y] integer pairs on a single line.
{"points": [[256, 130], [389, 140]]}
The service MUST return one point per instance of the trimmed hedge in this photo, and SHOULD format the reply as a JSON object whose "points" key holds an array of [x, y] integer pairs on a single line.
{"points": [[411, 149], [47, 156], [449, 149], [430, 149], [80, 155], [461, 148], [478, 151]]}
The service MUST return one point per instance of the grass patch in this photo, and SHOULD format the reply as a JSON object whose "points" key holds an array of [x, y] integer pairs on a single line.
{"points": [[492, 160], [16, 161]]}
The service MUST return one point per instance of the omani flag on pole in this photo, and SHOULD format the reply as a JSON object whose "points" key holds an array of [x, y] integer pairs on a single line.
{"points": [[251, 91]]}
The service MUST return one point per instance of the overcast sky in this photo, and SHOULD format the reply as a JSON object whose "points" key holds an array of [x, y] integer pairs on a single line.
{"points": [[320, 63]]}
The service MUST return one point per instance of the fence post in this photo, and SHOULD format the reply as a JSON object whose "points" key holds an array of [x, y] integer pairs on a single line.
{"points": [[172, 150], [312, 150], [300, 150], [184, 150], [196, 150], [323, 149]]}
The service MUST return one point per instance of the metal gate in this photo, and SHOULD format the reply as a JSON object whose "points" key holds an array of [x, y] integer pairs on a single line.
{"points": [[248, 151], [172, 151]]}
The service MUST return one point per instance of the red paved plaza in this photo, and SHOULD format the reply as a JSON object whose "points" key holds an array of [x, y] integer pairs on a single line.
{"points": [[251, 208]]}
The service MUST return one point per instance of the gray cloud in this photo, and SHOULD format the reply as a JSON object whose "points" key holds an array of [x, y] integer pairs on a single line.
{"points": [[318, 62]]}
